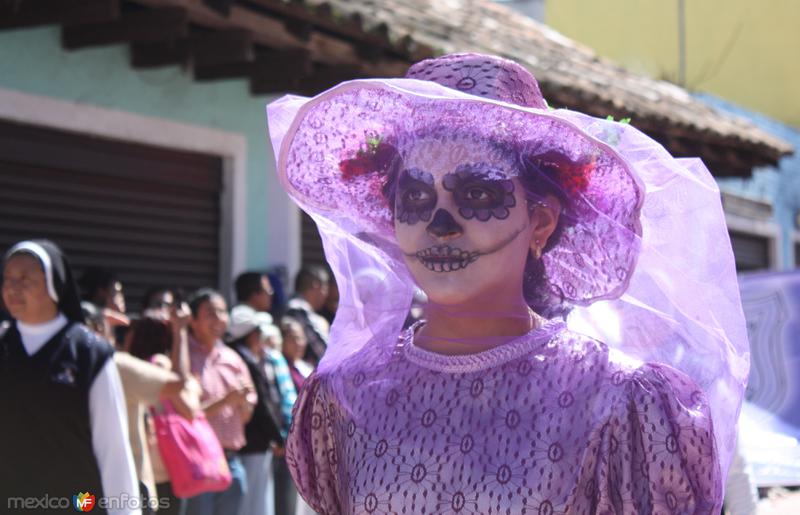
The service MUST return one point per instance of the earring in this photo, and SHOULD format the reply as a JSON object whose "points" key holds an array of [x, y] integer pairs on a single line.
{"points": [[537, 251]]}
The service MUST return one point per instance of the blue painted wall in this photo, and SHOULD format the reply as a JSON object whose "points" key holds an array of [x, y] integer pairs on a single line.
{"points": [[32, 61], [779, 186]]}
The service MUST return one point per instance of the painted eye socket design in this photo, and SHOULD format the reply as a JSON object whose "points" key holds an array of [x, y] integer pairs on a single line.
{"points": [[416, 197], [481, 191], [479, 194]]}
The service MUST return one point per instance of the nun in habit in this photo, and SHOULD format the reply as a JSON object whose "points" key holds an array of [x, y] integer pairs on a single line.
{"points": [[64, 430]]}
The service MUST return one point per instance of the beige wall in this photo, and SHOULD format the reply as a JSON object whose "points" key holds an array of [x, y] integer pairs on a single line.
{"points": [[747, 52]]}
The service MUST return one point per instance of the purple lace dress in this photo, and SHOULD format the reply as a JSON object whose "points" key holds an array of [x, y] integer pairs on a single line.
{"points": [[549, 423]]}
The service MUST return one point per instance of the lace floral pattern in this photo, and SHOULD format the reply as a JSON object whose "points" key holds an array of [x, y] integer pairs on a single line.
{"points": [[593, 260], [475, 362], [481, 76], [547, 424]]}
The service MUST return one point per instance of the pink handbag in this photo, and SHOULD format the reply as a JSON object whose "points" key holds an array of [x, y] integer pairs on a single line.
{"points": [[191, 452]]}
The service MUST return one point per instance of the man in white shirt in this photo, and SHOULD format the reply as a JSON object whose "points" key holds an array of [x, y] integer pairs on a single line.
{"points": [[63, 438]]}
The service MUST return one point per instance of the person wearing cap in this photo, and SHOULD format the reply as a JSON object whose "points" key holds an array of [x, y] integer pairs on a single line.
{"points": [[246, 335], [254, 292], [228, 396], [64, 431], [254, 297], [521, 224]]}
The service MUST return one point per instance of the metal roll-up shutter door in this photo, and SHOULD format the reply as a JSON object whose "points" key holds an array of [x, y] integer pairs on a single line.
{"points": [[751, 252], [797, 255], [151, 215], [311, 251]]}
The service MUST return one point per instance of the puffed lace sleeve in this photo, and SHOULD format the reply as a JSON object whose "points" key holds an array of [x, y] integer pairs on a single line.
{"points": [[310, 448], [658, 451]]}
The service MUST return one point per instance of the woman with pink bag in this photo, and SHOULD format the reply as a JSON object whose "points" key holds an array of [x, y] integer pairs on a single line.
{"points": [[155, 371], [227, 400]]}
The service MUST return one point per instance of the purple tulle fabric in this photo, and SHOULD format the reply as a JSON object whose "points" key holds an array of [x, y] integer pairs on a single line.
{"points": [[594, 258], [551, 422], [548, 423]]}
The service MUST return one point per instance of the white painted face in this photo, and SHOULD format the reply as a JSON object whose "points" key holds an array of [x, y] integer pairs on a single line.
{"points": [[462, 221]]}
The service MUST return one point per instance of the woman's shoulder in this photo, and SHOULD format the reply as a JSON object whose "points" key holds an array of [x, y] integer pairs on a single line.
{"points": [[304, 367], [373, 356], [230, 356], [578, 347], [611, 374], [88, 349], [85, 339], [161, 360], [569, 353], [659, 396], [658, 385]]}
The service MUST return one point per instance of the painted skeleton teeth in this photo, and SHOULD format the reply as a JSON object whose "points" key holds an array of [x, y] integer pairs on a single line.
{"points": [[443, 258]]}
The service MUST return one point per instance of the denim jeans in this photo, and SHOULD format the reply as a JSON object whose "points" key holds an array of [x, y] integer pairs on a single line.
{"points": [[226, 502]]}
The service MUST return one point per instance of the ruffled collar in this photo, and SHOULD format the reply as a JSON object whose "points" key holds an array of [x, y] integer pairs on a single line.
{"points": [[493, 357]]}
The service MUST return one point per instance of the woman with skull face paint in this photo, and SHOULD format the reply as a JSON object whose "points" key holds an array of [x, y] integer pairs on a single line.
{"points": [[516, 222]]}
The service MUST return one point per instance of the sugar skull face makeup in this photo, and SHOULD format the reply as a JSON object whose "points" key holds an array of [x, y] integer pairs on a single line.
{"points": [[480, 191], [459, 206], [416, 196]]}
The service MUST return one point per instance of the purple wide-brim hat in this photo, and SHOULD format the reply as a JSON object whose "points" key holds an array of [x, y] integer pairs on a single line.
{"points": [[596, 254]]}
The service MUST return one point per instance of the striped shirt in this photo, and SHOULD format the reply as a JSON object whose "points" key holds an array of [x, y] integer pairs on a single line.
{"points": [[285, 386]]}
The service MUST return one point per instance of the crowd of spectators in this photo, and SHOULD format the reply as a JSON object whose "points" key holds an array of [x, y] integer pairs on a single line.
{"points": [[238, 368]]}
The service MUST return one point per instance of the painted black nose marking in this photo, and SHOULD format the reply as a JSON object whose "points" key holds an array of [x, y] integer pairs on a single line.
{"points": [[443, 224]]}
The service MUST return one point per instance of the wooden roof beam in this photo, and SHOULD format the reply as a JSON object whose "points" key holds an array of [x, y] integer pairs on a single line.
{"points": [[722, 161], [233, 45], [225, 54], [161, 53], [221, 6], [200, 49], [30, 13], [277, 71], [138, 26], [322, 18], [300, 29], [304, 79], [719, 156], [272, 32], [325, 77]]}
